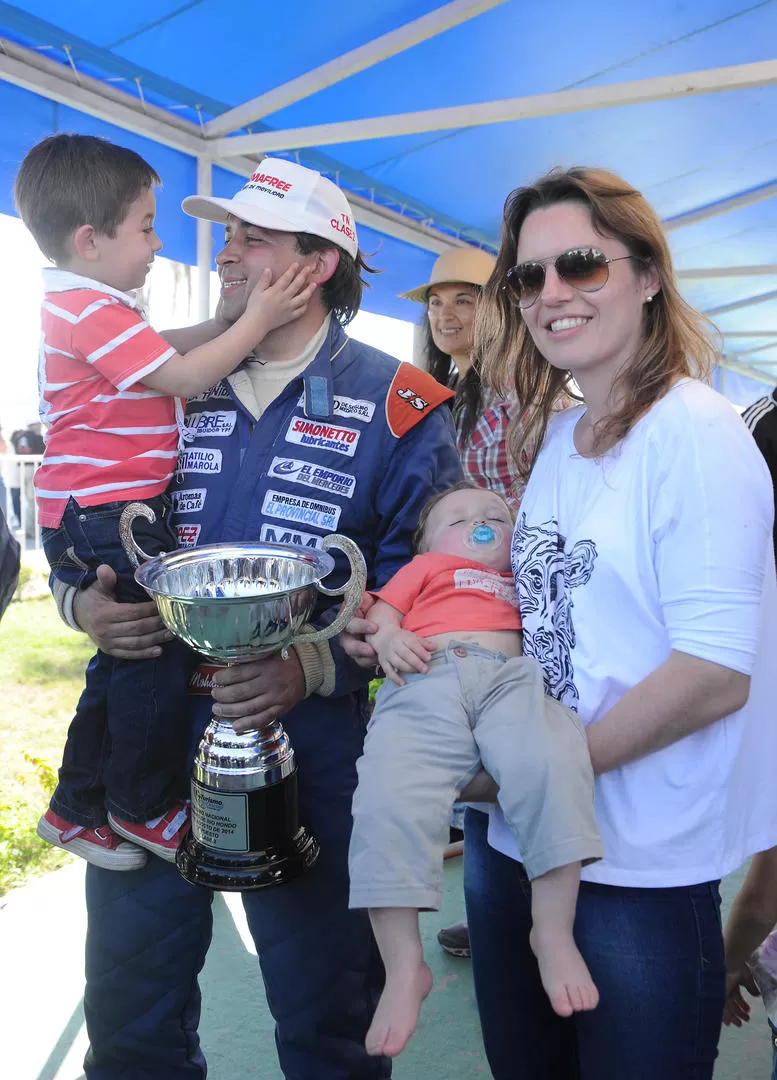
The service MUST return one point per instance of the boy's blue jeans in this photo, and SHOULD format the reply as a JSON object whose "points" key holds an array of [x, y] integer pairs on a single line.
{"points": [[656, 956], [126, 746]]}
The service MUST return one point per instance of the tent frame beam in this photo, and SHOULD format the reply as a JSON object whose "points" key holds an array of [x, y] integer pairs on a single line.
{"points": [[640, 91], [350, 63]]}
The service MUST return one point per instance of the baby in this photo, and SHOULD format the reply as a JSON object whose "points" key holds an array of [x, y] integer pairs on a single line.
{"points": [[460, 693]]}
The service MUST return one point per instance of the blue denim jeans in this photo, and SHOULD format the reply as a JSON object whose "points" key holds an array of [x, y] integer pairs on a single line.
{"points": [[125, 750], [773, 1039], [656, 956]]}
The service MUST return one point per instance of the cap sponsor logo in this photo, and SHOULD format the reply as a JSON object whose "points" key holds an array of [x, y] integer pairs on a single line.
{"points": [[220, 390], [342, 440], [190, 501], [271, 185], [188, 535], [197, 459], [276, 534], [321, 515], [314, 476], [212, 423], [344, 225]]}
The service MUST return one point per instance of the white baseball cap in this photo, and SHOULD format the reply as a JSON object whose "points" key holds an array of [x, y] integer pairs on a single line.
{"points": [[288, 197]]}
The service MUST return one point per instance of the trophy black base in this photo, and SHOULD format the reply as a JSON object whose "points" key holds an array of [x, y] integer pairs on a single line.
{"points": [[264, 823]]}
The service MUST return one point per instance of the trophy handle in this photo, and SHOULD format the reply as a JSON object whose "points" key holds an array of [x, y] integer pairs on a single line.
{"points": [[128, 542], [353, 589]]}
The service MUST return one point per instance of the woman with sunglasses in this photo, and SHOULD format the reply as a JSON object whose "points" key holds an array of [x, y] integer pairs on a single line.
{"points": [[647, 593]]}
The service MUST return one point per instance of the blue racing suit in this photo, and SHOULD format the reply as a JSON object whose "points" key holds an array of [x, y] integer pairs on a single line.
{"points": [[357, 444]]}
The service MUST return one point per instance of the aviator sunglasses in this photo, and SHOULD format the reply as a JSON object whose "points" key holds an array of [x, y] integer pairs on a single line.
{"points": [[586, 269]]}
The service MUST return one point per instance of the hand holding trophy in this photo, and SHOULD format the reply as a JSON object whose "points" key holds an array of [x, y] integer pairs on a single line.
{"points": [[233, 603]]}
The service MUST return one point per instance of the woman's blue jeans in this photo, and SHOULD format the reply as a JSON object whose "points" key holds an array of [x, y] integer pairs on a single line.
{"points": [[656, 956]]}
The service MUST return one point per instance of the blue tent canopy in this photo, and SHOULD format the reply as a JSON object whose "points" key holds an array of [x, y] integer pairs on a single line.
{"points": [[428, 114]]}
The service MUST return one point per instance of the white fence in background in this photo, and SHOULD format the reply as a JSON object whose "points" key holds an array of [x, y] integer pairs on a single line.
{"points": [[17, 496]]}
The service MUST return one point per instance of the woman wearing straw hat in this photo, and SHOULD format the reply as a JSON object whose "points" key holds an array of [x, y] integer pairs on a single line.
{"points": [[481, 415]]}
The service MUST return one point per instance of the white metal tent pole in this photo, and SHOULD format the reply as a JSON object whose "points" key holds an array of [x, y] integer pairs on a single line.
{"points": [[204, 241]]}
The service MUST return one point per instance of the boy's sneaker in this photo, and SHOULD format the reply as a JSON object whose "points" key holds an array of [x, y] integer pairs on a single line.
{"points": [[100, 846], [161, 835]]}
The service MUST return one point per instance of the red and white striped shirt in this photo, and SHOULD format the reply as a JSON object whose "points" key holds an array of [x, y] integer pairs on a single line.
{"points": [[110, 438]]}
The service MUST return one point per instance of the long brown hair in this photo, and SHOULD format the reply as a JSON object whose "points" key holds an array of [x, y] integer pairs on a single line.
{"points": [[675, 343], [468, 403]]}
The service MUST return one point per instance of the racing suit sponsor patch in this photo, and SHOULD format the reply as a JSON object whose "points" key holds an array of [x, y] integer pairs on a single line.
{"points": [[281, 504], [212, 423], [188, 535], [196, 459], [351, 408], [220, 391], [278, 534], [342, 440], [413, 393], [315, 476], [189, 501]]}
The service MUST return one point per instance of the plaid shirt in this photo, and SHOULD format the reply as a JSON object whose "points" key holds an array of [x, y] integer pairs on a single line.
{"points": [[484, 457]]}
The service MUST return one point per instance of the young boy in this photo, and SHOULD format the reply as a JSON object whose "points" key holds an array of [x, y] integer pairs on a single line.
{"points": [[449, 621], [110, 392]]}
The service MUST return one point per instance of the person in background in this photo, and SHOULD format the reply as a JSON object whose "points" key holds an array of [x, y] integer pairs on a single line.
{"points": [[10, 555], [481, 415], [645, 573], [751, 944], [3, 489]]}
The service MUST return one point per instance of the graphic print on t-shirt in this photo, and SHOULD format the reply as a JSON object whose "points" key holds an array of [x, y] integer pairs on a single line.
{"points": [[546, 574]]}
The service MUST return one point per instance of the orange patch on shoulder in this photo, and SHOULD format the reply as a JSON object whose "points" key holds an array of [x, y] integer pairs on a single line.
{"points": [[412, 395]]}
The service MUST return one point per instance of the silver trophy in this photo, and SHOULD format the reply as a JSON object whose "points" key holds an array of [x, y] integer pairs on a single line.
{"points": [[233, 603]]}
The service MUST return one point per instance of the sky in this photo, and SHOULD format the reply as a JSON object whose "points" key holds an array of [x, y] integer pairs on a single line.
{"points": [[20, 298]]}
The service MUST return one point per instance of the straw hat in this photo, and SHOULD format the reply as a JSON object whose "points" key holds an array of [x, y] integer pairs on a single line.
{"points": [[469, 265]]}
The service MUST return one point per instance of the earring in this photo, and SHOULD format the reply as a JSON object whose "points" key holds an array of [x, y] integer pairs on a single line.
{"points": [[648, 299]]}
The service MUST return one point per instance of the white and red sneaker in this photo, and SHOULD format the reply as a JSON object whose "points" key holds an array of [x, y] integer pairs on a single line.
{"points": [[100, 846], [161, 835]]}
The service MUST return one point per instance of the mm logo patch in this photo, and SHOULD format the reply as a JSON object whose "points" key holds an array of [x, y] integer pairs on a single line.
{"points": [[188, 535], [276, 534], [321, 515], [314, 476], [196, 460], [211, 423], [190, 501], [340, 440]]}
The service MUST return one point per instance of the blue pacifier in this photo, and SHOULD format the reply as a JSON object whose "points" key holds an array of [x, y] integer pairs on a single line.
{"points": [[483, 534]]}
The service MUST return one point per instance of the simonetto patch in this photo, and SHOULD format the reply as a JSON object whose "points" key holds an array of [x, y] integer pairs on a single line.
{"points": [[341, 440]]}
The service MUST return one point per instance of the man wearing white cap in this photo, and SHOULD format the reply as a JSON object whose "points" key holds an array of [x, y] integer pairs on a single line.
{"points": [[312, 433]]}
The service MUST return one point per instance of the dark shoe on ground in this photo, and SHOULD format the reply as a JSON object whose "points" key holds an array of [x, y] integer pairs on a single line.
{"points": [[161, 835], [100, 846], [455, 940]]}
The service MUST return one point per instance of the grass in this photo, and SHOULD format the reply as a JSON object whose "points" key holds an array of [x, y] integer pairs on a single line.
{"points": [[41, 671]]}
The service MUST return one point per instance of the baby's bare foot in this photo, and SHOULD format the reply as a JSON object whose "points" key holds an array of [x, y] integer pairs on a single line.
{"points": [[564, 973], [398, 1009]]}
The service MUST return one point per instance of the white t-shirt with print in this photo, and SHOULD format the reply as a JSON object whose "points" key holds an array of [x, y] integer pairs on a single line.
{"points": [[664, 543]]}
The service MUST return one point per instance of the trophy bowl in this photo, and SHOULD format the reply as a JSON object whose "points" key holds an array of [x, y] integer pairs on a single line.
{"points": [[234, 603]]}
